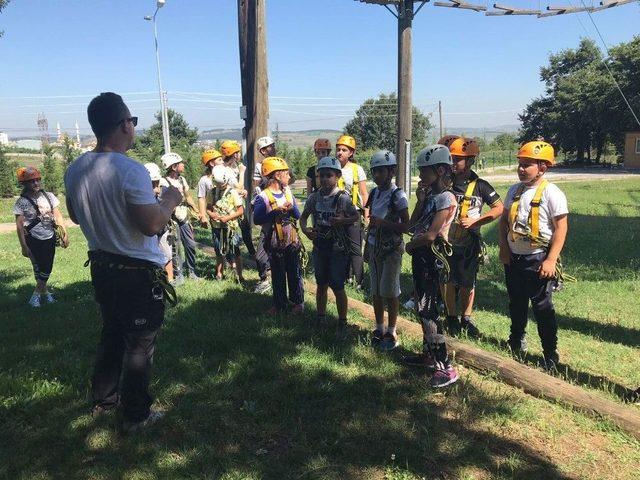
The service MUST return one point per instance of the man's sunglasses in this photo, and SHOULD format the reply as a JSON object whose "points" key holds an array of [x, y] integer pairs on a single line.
{"points": [[133, 120]]}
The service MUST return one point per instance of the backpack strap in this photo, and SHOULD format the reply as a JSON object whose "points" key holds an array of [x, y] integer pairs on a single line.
{"points": [[466, 200], [372, 194], [38, 219]]}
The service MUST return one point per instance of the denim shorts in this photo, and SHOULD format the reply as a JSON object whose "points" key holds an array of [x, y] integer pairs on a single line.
{"points": [[330, 268]]}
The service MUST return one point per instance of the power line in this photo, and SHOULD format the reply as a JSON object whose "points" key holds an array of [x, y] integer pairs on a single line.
{"points": [[90, 95]]}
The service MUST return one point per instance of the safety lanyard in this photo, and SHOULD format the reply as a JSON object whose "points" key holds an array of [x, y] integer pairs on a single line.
{"points": [[273, 205], [466, 201], [533, 221]]}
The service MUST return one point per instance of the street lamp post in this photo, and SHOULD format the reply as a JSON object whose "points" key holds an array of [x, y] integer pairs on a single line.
{"points": [[163, 100]]}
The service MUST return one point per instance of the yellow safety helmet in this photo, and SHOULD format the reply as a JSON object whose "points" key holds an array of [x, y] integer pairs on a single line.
{"points": [[447, 140], [464, 147], [229, 147], [273, 164], [537, 150], [209, 155], [347, 141]]}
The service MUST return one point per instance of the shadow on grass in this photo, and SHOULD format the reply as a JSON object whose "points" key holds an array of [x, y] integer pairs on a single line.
{"points": [[246, 396]]}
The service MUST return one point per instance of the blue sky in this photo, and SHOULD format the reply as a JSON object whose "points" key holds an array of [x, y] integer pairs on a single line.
{"points": [[334, 53]]}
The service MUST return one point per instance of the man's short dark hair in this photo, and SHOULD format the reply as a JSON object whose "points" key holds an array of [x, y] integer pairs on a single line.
{"points": [[105, 113]]}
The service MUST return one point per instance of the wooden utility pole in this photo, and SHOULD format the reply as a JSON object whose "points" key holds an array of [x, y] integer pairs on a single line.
{"points": [[253, 76], [405, 74], [440, 118]]}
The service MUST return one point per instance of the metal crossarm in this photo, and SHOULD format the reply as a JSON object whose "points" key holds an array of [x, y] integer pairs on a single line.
{"points": [[462, 5], [506, 10]]}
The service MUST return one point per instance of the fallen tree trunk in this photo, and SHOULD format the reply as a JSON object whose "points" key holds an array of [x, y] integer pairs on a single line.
{"points": [[530, 380]]}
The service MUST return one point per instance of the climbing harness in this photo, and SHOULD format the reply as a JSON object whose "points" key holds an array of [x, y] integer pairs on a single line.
{"points": [[161, 289], [354, 185]]}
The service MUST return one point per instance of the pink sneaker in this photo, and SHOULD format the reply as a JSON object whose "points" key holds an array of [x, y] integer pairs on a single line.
{"points": [[444, 377]]}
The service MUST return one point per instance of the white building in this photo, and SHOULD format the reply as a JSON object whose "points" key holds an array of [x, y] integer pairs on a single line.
{"points": [[4, 139]]}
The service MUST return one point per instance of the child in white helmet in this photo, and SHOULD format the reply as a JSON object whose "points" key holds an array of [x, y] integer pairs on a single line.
{"points": [[430, 222], [388, 208], [174, 167], [165, 238], [225, 207], [331, 209]]}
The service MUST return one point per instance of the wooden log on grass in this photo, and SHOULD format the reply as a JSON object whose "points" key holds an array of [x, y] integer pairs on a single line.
{"points": [[530, 380]]}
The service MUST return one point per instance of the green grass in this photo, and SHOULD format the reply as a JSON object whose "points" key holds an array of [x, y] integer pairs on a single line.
{"points": [[251, 397]]}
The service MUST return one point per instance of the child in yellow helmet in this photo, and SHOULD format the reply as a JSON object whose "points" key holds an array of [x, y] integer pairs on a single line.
{"points": [[472, 194], [533, 229], [277, 210], [354, 182]]}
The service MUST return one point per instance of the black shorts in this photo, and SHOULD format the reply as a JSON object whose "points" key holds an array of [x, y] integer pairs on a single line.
{"points": [[42, 254], [464, 265], [129, 296]]}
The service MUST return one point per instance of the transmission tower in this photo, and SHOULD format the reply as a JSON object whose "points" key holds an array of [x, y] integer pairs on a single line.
{"points": [[43, 128]]}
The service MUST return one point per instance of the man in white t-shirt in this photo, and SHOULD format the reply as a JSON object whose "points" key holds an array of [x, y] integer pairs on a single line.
{"points": [[533, 229], [111, 197]]}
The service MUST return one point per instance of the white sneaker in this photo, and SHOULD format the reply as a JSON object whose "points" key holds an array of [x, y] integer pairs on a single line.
{"points": [[50, 298], [34, 301], [410, 304]]}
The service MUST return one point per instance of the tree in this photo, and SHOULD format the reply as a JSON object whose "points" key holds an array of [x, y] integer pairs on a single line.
{"points": [[8, 179], [3, 4], [505, 141], [149, 146], [69, 150], [375, 124], [51, 171]]}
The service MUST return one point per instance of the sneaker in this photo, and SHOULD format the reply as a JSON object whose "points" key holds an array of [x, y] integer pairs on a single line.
{"points": [[410, 304], [376, 338], [35, 301], [130, 427], [321, 321], [444, 377], [177, 281], [99, 410], [550, 361], [425, 360], [298, 309], [389, 342], [518, 348], [263, 287], [469, 327], [50, 298], [273, 311], [341, 329]]}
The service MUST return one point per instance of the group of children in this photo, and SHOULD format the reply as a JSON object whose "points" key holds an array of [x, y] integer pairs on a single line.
{"points": [[445, 244]]}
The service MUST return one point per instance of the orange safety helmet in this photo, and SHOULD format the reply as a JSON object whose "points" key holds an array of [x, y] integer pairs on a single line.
{"points": [[209, 155], [347, 141], [273, 164], [229, 147], [447, 139], [464, 147], [26, 174], [322, 144], [537, 150]]}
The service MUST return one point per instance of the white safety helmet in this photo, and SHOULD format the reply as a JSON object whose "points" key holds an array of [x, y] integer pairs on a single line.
{"points": [[169, 159], [329, 162], [434, 155], [264, 142], [383, 158], [154, 171], [221, 174]]}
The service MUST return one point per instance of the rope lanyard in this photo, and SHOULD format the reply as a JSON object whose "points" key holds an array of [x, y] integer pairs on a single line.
{"points": [[533, 221]]}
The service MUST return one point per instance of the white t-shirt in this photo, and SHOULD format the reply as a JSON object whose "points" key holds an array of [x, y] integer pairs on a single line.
{"points": [[380, 203], [99, 187], [44, 229], [257, 172], [205, 185], [180, 183], [347, 178], [552, 204]]}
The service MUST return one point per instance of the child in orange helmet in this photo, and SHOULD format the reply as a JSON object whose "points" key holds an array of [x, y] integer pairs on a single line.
{"points": [[533, 229], [37, 215]]}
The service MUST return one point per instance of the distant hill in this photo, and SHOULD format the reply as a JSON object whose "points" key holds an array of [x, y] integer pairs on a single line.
{"points": [[301, 138]]}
